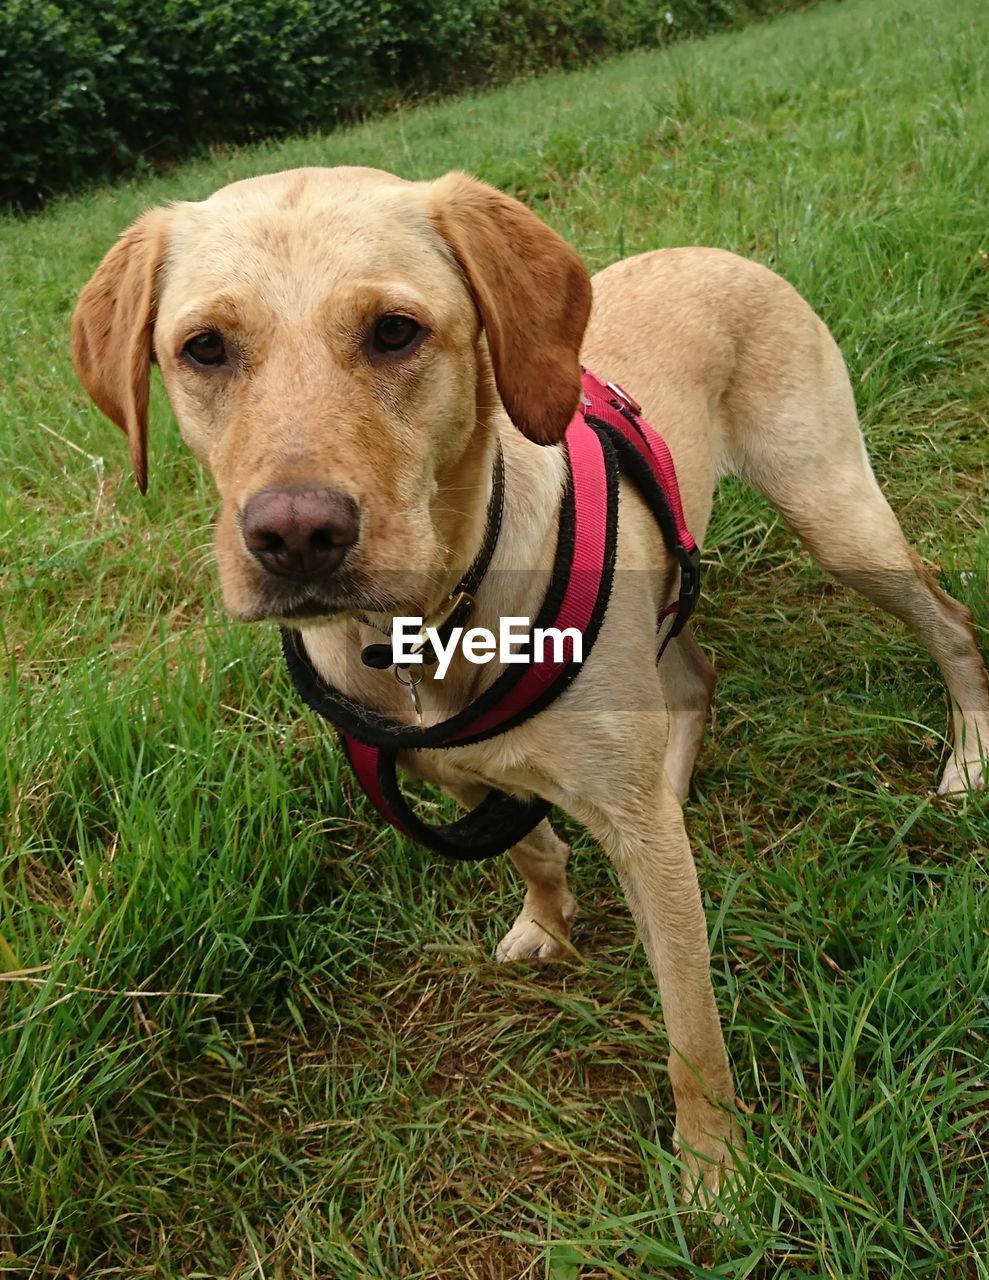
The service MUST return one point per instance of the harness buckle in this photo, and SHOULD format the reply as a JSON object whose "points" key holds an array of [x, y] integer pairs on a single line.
{"points": [[690, 586], [625, 398]]}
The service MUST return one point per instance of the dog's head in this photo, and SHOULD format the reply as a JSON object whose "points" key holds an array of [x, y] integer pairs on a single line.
{"points": [[327, 338]]}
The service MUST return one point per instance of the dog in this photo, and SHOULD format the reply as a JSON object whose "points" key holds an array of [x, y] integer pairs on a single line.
{"points": [[347, 352]]}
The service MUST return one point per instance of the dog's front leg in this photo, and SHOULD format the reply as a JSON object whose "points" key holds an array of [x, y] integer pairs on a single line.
{"points": [[542, 929], [644, 835]]}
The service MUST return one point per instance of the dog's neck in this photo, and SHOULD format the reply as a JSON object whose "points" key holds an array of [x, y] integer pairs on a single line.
{"points": [[514, 585]]}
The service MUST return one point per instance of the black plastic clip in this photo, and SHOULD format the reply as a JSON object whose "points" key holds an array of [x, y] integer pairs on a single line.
{"points": [[690, 586]]}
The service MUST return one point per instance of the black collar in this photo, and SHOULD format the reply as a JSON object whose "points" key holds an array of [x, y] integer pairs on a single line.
{"points": [[458, 606]]}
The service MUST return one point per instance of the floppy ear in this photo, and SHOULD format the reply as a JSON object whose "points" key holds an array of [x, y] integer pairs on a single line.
{"points": [[112, 327], [533, 294]]}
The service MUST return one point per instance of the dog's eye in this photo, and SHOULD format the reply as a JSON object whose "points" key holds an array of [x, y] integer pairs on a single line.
{"points": [[393, 334], [206, 348]]}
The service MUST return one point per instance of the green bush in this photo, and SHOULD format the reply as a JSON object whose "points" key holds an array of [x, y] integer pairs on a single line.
{"points": [[94, 90], [53, 126]]}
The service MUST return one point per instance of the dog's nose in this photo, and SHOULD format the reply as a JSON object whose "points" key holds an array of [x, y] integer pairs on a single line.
{"points": [[299, 533]]}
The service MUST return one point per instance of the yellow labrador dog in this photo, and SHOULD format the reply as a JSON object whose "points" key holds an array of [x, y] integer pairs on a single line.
{"points": [[346, 351]]}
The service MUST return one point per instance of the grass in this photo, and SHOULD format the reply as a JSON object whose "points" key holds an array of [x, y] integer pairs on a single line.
{"points": [[247, 1033]]}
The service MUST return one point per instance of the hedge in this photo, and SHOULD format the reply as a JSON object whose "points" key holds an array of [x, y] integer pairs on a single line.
{"points": [[93, 89]]}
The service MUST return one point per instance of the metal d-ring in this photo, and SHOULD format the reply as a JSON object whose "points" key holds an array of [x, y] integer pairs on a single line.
{"points": [[415, 678]]}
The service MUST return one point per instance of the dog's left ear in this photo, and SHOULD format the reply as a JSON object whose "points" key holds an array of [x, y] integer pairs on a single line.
{"points": [[112, 329], [533, 294]]}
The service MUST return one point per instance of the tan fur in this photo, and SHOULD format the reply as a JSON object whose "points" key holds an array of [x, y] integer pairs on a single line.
{"points": [[730, 365], [533, 302], [111, 332]]}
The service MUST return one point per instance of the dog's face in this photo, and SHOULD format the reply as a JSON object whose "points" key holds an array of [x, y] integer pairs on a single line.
{"points": [[319, 333]]}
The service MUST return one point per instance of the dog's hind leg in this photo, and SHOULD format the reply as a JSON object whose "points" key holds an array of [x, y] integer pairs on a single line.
{"points": [[806, 454], [688, 681]]}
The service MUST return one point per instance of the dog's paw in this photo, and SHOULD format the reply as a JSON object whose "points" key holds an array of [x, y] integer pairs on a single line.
{"points": [[539, 934], [709, 1160], [963, 775]]}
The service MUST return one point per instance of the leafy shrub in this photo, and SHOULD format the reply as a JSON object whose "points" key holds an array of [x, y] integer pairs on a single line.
{"points": [[92, 90], [52, 122]]}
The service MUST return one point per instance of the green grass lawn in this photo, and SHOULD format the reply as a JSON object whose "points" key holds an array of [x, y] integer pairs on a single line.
{"points": [[248, 1033]]}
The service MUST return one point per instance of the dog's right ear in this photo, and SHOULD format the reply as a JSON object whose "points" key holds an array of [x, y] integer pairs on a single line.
{"points": [[532, 293], [112, 331]]}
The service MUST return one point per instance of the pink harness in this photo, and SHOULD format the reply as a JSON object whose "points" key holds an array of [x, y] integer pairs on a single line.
{"points": [[606, 435]]}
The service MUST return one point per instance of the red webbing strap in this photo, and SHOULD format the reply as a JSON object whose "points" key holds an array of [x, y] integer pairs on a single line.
{"points": [[614, 408], [365, 762], [649, 443], [496, 824], [590, 492]]}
